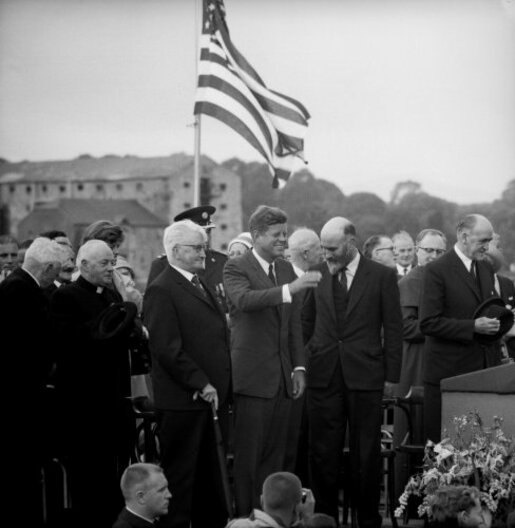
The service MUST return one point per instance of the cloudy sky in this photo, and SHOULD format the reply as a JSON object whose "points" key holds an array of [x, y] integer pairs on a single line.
{"points": [[397, 89]]}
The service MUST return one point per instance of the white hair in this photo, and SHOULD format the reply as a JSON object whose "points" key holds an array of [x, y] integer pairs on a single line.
{"points": [[88, 250], [302, 238], [179, 233], [44, 251]]}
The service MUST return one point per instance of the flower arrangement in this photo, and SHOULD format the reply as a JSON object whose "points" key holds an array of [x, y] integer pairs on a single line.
{"points": [[476, 456]]}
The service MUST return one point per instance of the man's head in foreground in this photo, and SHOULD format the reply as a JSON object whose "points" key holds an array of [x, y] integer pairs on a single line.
{"points": [[145, 490]]}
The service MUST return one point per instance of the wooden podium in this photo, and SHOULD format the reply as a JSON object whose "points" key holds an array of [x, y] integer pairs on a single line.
{"points": [[491, 392]]}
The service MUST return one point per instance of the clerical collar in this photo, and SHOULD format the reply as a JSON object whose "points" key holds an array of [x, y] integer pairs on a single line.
{"points": [[90, 286], [138, 515]]}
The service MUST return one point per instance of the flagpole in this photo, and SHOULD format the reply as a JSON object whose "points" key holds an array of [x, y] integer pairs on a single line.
{"points": [[196, 122]]}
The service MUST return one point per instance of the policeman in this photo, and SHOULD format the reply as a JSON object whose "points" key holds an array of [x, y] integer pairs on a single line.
{"points": [[215, 261]]}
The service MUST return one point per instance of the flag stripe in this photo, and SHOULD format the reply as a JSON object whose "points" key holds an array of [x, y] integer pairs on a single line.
{"points": [[230, 90], [234, 122], [223, 100], [217, 71]]}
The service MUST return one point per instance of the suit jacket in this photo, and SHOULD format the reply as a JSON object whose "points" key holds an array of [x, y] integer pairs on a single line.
{"points": [[189, 342], [91, 374], [127, 519], [410, 289], [366, 360], [450, 297], [212, 274], [266, 336], [508, 296], [24, 313]]}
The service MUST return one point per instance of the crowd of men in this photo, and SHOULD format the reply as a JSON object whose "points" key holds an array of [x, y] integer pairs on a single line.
{"points": [[292, 343]]}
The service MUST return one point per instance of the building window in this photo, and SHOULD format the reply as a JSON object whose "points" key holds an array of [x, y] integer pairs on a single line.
{"points": [[80, 187], [44, 188], [119, 187], [28, 189], [186, 184], [223, 207], [223, 186], [12, 188], [100, 187], [139, 186], [186, 205], [223, 227], [62, 188]]}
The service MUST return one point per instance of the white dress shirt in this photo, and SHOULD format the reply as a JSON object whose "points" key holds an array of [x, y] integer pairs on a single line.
{"points": [[265, 265]]}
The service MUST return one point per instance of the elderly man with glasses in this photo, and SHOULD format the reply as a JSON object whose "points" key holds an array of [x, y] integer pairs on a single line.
{"points": [[191, 372]]}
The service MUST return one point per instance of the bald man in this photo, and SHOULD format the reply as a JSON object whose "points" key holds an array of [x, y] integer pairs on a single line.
{"points": [[349, 368], [93, 382], [453, 287], [305, 250]]}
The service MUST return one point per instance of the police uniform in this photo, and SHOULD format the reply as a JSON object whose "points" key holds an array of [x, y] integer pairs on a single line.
{"points": [[215, 260]]}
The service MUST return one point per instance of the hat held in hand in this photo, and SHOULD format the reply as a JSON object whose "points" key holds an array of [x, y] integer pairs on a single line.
{"points": [[116, 320], [494, 308]]}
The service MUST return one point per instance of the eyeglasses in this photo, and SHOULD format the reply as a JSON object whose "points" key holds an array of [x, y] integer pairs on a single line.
{"points": [[196, 247], [430, 251]]}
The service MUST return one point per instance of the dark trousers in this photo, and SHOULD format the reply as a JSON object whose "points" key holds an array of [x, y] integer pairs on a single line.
{"points": [[330, 410], [260, 433], [296, 456], [432, 412], [190, 463]]}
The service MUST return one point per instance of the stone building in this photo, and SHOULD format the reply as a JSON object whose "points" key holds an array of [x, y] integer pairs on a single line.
{"points": [[163, 185]]}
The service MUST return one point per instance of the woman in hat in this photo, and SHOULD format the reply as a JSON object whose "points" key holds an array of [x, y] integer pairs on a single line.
{"points": [[239, 245]]}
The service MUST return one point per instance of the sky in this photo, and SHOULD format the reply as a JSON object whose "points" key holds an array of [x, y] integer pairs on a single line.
{"points": [[397, 90]]}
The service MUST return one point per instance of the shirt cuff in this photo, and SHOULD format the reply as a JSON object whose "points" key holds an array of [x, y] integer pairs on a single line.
{"points": [[298, 369], [286, 294]]}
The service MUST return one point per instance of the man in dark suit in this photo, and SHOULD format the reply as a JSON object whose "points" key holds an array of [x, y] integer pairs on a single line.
{"points": [[349, 368], [267, 353], [505, 289], [27, 345], [453, 287], [189, 345], [214, 262], [145, 490], [92, 383], [430, 245]]}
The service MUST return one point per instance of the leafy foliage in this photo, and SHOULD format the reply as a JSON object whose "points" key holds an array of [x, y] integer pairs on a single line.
{"points": [[474, 455]]}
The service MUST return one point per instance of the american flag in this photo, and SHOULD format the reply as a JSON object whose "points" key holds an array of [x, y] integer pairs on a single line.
{"points": [[230, 90]]}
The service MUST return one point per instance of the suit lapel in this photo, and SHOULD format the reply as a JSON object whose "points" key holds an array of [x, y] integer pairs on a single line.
{"points": [[464, 275], [192, 290], [259, 272], [359, 284], [486, 281]]}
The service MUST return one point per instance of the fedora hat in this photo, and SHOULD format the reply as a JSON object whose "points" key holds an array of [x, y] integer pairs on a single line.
{"points": [[494, 308], [116, 320]]}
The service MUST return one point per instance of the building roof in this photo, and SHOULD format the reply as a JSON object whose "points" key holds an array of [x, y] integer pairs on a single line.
{"points": [[110, 167], [87, 211]]}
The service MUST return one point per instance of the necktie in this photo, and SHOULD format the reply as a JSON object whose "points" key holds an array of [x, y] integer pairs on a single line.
{"points": [[342, 278], [271, 274], [473, 273], [196, 282], [405, 270]]}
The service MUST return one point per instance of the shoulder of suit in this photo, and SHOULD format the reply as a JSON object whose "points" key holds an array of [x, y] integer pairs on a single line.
{"points": [[217, 255]]}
